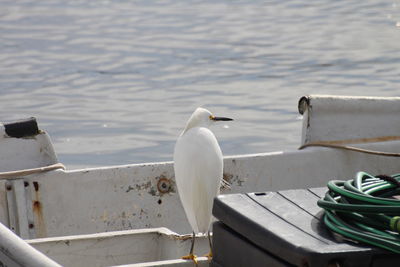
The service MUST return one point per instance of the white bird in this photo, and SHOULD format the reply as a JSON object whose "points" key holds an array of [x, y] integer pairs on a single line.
{"points": [[198, 166]]}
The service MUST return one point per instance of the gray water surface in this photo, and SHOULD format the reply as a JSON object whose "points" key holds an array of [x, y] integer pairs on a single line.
{"points": [[113, 82]]}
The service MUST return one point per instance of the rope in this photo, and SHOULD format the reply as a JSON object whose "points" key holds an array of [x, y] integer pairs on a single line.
{"points": [[25, 172], [352, 148]]}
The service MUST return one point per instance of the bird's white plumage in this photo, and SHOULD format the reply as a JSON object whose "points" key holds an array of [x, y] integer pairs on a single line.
{"points": [[198, 166]]}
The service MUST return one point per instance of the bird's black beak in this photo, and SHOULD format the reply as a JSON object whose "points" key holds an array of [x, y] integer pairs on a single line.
{"points": [[221, 119]]}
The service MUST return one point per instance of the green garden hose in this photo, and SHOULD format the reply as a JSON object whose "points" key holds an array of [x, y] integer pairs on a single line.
{"points": [[364, 209]]}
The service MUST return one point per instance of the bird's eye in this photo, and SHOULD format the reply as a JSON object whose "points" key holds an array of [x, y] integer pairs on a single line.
{"points": [[211, 117]]}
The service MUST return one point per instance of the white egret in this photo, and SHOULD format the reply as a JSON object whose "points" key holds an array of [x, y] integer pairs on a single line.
{"points": [[198, 166]]}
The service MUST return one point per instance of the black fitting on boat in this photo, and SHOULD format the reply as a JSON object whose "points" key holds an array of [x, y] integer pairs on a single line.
{"points": [[22, 128], [303, 104]]}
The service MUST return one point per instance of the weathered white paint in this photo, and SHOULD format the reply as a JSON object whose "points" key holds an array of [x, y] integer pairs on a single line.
{"points": [[25, 153], [109, 210], [16, 154], [20, 208], [127, 197], [332, 118], [154, 247]]}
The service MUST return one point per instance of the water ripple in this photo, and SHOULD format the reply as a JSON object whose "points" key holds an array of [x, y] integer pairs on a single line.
{"points": [[113, 82]]}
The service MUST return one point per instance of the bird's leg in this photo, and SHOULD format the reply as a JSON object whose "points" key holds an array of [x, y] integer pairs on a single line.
{"points": [[210, 254], [191, 256]]}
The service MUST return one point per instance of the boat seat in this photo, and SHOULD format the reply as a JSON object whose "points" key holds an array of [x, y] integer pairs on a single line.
{"points": [[283, 228]]}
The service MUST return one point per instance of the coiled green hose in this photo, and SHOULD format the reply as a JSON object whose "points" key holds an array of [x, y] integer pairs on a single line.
{"points": [[364, 209]]}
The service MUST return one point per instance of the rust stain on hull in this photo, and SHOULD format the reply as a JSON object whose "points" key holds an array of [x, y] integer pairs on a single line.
{"points": [[229, 180], [164, 185], [37, 208]]}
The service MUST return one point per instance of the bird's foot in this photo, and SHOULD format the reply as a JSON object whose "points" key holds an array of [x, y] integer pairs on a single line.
{"points": [[209, 255], [191, 257]]}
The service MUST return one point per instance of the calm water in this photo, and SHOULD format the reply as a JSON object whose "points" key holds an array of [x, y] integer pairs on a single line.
{"points": [[113, 82]]}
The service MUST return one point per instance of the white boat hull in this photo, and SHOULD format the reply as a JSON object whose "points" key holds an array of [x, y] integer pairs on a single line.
{"points": [[143, 196]]}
